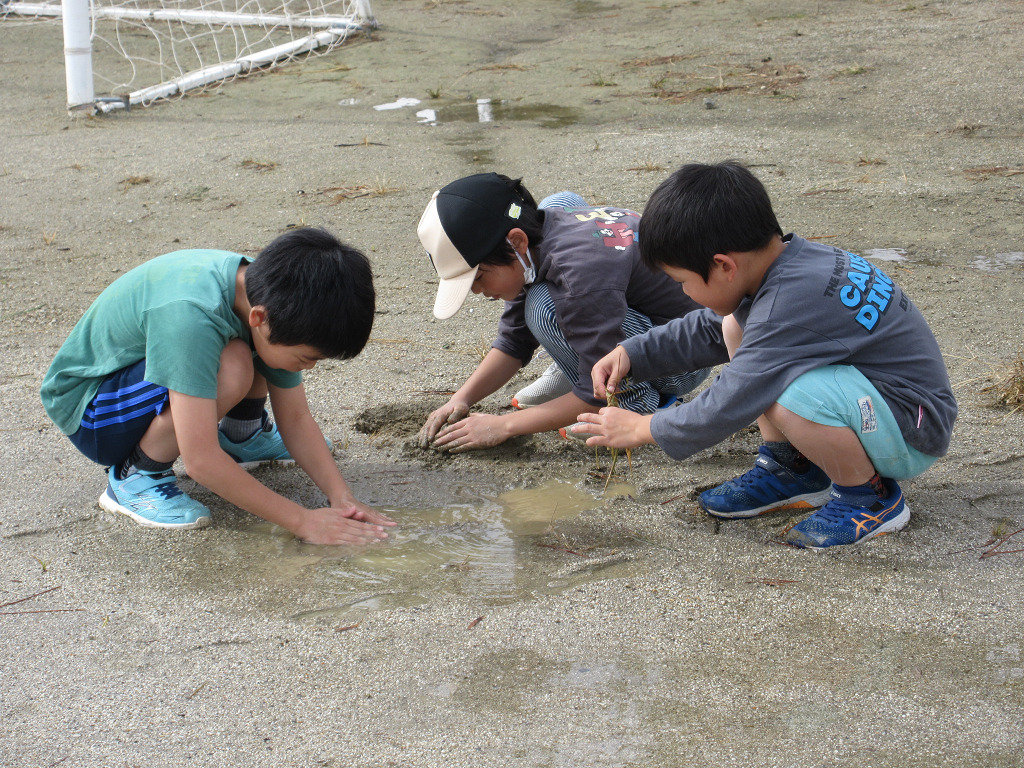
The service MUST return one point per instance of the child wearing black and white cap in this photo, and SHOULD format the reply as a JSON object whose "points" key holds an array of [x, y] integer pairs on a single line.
{"points": [[573, 284]]}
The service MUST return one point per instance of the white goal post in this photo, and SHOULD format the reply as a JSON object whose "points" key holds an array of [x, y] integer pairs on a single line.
{"points": [[184, 44]]}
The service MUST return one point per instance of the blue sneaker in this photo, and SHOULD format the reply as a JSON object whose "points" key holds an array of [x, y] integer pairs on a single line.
{"points": [[852, 518], [768, 487], [264, 447], [154, 500]]}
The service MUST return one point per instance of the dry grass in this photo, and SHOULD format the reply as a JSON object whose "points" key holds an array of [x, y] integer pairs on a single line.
{"points": [[379, 188], [1009, 390], [133, 181], [995, 170], [764, 79], [261, 166]]}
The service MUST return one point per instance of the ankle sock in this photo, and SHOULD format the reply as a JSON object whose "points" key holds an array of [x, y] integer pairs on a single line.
{"points": [[137, 459], [788, 456], [878, 485], [244, 420], [875, 487]]}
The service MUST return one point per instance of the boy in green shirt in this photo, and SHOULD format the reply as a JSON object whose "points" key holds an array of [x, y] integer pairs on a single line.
{"points": [[197, 337]]}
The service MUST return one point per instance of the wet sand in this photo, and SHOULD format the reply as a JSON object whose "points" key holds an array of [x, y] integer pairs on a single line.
{"points": [[522, 617]]}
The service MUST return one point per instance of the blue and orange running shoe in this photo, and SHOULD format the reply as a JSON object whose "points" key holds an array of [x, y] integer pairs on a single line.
{"points": [[154, 500], [768, 487], [850, 518]]}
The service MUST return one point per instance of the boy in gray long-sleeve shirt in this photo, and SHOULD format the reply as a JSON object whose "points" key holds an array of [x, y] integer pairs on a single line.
{"points": [[824, 350]]}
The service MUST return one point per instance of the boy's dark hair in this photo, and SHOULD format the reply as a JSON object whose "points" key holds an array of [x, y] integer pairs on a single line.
{"points": [[701, 210], [316, 290], [531, 221]]}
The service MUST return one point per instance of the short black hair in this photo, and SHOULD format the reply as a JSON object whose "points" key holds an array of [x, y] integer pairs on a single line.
{"points": [[701, 210], [316, 291], [531, 221]]}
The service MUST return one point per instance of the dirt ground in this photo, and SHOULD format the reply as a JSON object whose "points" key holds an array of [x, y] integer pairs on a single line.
{"points": [[635, 633]]}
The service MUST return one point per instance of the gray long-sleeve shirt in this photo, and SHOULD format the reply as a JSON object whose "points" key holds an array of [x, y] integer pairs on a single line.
{"points": [[816, 306]]}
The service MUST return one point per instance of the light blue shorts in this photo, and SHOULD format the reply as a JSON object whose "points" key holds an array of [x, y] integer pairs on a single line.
{"points": [[841, 396]]}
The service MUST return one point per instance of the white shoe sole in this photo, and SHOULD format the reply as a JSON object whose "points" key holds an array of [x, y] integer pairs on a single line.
{"points": [[107, 502]]}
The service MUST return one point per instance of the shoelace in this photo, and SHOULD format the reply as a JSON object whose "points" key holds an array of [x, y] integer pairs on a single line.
{"points": [[753, 477], [168, 489]]}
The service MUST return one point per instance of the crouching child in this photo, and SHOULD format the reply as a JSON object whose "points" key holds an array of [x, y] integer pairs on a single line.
{"points": [[832, 359], [199, 338]]}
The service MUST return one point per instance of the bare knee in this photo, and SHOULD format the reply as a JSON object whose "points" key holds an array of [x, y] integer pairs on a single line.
{"points": [[236, 374]]}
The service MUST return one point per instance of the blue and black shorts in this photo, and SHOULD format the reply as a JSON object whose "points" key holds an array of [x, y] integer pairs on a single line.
{"points": [[119, 415]]}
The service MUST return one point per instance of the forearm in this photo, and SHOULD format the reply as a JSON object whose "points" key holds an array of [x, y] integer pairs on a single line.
{"points": [[548, 416], [495, 370], [305, 442], [684, 344], [221, 475]]}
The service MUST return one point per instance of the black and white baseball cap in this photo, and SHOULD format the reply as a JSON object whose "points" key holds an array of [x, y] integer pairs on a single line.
{"points": [[464, 221]]}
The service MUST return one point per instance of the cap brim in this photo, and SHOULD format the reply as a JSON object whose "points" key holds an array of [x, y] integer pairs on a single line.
{"points": [[452, 293]]}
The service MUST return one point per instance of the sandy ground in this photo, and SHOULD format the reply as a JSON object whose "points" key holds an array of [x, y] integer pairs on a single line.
{"points": [[635, 633]]}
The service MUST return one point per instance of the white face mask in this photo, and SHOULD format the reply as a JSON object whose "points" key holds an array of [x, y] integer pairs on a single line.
{"points": [[529, 272]]}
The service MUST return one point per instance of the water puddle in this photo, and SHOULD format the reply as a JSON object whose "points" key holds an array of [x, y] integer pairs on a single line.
{"points": [[466, 535], [488, 111], [476, 546], [885, 254], [502, 110], [998, 261]]}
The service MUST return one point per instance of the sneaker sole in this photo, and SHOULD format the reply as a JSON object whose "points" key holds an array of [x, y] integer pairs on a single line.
{"points": [[807, 501], [898, 523], [573, 436], [111, 505]]}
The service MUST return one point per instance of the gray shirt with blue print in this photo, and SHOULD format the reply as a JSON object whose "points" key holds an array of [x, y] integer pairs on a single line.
{"points": [[817, 305]]}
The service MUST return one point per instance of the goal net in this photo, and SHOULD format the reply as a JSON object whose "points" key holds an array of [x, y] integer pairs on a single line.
{"points": [[123, 53]]}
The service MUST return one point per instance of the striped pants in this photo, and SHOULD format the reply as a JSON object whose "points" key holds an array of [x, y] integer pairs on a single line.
{"points": [[641, 396]]}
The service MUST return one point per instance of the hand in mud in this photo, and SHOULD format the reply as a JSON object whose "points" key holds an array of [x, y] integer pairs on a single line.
{"points": [[476, 431], [449, 413], [329, 525], [356, 510]]}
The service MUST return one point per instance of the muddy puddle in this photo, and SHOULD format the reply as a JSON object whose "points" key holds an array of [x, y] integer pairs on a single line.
{"points": [[457, 536], [482, 110]]}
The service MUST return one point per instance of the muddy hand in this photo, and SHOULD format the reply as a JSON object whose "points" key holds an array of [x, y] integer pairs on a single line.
{"points": [[449, 413], [479, 430]]}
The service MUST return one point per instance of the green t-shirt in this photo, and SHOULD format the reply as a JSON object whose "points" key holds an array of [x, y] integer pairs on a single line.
{"points": [[175, 312]]}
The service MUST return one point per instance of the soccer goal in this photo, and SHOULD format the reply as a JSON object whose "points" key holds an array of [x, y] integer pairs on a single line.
{"points": [[124, 53]]}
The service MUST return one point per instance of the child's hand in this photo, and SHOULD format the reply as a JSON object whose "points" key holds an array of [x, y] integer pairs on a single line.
{"points": [[449, 413], [615, 428], [476, 431], [329, 525], [356, 510], [609, 371]]}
